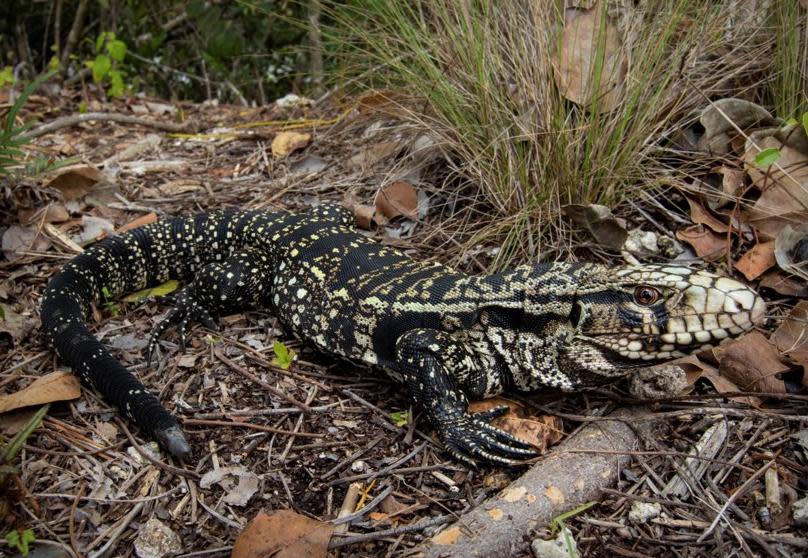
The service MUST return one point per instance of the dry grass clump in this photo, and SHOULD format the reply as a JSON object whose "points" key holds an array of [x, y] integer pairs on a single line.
{"points": [[487, 78]]}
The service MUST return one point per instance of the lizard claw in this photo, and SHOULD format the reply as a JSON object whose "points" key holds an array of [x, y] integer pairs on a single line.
{"points": [[470, 438], [186, 310]]}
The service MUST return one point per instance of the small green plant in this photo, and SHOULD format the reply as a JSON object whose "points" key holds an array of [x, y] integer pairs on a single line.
{"points": [[767, 157], [109, 303], [6, 76], [557, 525], [20, 540], [12, 136], [283, 355], [162, 289], [107, 66], [400, 418]]}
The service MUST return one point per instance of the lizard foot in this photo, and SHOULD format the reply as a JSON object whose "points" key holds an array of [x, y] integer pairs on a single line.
{"points": [[186, 310], [471, 438]]}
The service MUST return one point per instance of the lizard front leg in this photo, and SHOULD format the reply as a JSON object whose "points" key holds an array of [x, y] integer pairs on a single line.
{"points": [[240, 282], [435, 367]]}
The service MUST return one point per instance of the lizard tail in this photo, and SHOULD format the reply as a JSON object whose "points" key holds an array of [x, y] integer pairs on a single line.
{"points": [[133, 260]]}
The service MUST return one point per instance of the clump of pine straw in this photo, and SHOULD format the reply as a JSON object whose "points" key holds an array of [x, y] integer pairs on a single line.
{"points": [[483, 73]]}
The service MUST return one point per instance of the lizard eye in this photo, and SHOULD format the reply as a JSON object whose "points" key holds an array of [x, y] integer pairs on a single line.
{"points": [[645, 295]]}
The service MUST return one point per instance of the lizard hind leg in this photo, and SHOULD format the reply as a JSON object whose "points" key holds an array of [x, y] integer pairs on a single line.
{"points": [[240, 282]]}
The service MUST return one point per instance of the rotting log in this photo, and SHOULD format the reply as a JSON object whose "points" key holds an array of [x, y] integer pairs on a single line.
{"points": [[561, 481]]}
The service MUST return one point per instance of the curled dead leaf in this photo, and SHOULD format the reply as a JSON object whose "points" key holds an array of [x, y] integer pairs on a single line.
{"points": [[599, 221], [56, 386], [17, 240], [791, 338], [757, 260], [721, 119], [791, 250], [399, 199], [784, 193], [696, 369], [285, 143], [784, 284], [752, 363], [701, 215], [707, 244], [539, 431], [591, 55], [76, 182], [283, 534]]}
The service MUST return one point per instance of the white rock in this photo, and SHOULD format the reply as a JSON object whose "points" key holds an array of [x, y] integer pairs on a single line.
{"points": [[643, 511], [555, 548], [800, 511], [155, 539]]}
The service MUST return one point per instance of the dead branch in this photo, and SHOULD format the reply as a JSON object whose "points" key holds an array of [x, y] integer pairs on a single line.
{"points": [[73, 119], [502, 525]]}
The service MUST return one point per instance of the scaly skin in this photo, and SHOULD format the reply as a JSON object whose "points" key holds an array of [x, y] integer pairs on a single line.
{"points": [[445, 335]]}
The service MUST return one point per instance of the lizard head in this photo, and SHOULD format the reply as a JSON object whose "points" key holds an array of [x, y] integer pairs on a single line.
{"points": [[640, 315]]}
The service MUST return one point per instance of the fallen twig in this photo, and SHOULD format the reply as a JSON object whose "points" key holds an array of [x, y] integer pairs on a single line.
{"points": [[74, 119]]}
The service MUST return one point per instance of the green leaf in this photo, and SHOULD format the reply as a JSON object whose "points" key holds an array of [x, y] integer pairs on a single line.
{"points": [[107, 294], [116, 85], [805, 122], [54, 63], [82, 107], [11, 450], [767, 156], [21, 541], [117, 50], [101, 67], [6, 76], [283, 355], [99, 42], [22, 99], [160, 290], [400, 418]]}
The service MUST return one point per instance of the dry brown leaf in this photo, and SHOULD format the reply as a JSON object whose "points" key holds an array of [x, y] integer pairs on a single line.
{"points": [[285, 143], [784, 195], [396, 200], [76, 182], [599, 221], [757, 260], [701, 215], [373, 154], [139, 222], [366, 215], [283, 534], [707, 244], [183, 185], [733, 184], [791, 338], [540, 431], [51, 213], [17, 240], [14, 325], [56, 386], [696, 369], [784, 284], [752, 364], [577, 60]]}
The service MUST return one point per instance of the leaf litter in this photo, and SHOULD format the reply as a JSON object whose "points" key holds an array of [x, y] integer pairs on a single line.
{"points": [[261, 470]]}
